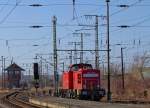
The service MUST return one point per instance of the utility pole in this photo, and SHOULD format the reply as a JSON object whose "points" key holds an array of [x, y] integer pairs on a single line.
{"points": [[108, 54], [55, 55], [96, 44], [122, 69]]}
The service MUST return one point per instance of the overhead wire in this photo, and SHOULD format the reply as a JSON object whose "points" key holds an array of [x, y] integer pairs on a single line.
{"points": [[10, 12], [76, 13], [136, 24], [131, 5], [54, 4], [78, 4], [23, 39], [3, 20], [4, 6], [140, 22], [33, 50], [77, 17], [27, 39]]}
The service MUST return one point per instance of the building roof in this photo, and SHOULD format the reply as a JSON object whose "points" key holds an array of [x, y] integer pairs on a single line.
{"points": [[14, 67]]}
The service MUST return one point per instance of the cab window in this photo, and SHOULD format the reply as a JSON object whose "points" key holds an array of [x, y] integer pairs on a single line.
{"points": [[87, 67], [75, 68]]}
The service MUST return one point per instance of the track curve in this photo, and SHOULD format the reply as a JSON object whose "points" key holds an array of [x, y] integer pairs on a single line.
{"points": [[15, 100]]}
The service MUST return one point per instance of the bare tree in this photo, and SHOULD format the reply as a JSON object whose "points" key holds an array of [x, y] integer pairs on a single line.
{"points": [[140, 63]]}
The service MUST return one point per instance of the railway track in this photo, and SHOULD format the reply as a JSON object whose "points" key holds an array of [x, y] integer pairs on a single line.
{"points": [[21, 100], [16, 100]]}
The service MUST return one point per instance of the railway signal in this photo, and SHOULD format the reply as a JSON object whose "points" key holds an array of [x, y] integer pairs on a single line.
{"points": [[36, 73]]}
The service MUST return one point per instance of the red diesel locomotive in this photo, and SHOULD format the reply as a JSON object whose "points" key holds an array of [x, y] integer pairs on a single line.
{"points": [[83, 82]]}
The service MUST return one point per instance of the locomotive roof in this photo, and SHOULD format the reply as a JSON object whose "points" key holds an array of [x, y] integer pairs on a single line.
{"points": [[81, 64]]}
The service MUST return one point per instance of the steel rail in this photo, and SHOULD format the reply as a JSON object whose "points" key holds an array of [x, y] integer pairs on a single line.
{"points": [[14, 101]]}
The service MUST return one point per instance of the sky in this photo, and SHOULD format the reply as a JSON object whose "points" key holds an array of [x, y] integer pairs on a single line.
{"points": [[21, 42]]}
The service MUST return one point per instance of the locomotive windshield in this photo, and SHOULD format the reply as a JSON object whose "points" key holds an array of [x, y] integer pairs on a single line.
{"points": [[76, 67], [87, 66]]}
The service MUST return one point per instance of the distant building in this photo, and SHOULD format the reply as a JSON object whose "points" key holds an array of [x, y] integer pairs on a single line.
{"points": [[14, 75]]}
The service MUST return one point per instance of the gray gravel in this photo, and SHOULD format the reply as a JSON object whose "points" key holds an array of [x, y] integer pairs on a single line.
{"points": [[72, 103]]}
